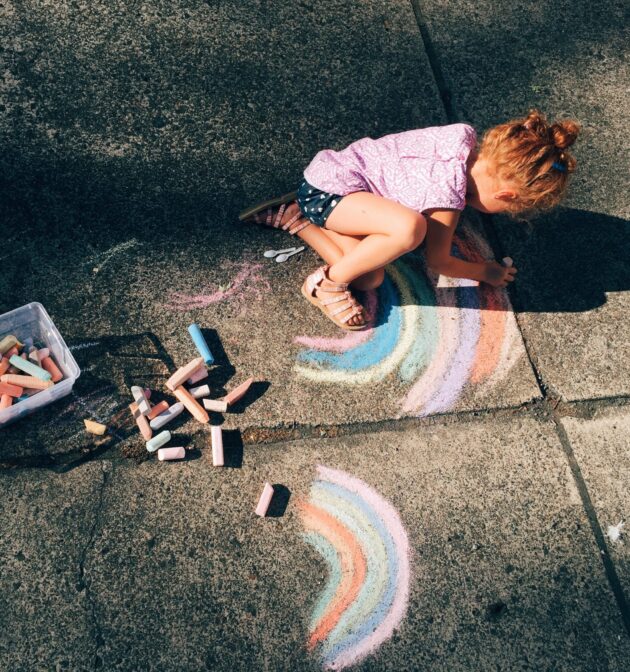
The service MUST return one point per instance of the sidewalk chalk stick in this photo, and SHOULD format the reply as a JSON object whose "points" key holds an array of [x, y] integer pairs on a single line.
{"points": [[265, 500], [200, 343]]}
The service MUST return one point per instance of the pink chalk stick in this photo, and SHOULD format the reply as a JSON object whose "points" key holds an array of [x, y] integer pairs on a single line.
{"points": [[147, 392], [199, 374], [182, 375], [238, 392], [217, 446], [178, 453], [265, 500]]}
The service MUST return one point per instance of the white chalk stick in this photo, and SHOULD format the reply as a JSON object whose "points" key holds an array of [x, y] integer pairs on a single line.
{"points": [[201, 391], [171, 412], [178, 453], [507, 261], [215, 405], [265, 500], [139, 397]]}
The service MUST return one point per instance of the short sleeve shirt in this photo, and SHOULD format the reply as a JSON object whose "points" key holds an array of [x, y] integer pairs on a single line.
{"points": [[422, 169]]}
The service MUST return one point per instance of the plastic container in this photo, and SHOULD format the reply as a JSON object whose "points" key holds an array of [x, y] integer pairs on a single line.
{"points": [[33, 321]]}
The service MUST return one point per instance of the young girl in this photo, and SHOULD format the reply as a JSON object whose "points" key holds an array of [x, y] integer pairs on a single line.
{"points": [[363, 207]]}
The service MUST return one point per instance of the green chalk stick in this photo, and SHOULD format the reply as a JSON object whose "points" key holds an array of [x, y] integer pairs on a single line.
{"points": [[29, 367]]}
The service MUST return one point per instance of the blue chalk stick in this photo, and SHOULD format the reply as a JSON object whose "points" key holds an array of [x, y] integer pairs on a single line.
{"points": [[200, 343]]}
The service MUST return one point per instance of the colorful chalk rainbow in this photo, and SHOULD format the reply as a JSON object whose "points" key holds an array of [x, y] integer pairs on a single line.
{"points": [[439, 340], [361, 537]]}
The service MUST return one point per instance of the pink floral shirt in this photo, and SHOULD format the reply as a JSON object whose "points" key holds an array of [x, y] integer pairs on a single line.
{"points": [[422, 169]]}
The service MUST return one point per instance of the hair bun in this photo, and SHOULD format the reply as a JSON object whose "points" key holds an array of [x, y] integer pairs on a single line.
{"points": [[536, 122], [565, 133]]}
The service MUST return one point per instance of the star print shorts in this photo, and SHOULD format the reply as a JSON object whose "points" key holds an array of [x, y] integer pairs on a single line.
{"points": [[316, 205]]}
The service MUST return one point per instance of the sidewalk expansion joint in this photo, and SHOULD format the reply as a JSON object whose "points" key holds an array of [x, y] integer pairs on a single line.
{"points": [[83, 582]]}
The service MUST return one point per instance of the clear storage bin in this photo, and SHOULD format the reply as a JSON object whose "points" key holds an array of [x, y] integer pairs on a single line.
{"points": [[33, 321]]}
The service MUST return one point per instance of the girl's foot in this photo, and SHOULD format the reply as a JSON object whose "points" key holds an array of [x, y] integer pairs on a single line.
{"points": [[334, 299], [287, 217]]}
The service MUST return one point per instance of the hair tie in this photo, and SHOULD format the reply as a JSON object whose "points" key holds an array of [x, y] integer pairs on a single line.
{"points": [[559, 166]]}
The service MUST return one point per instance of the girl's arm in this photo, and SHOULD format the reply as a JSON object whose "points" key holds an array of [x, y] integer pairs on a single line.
{"points": [[441, 225]]}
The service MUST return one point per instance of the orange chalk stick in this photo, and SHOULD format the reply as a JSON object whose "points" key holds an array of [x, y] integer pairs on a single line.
{"points": [[6, 400], [30, 382], [157, 409], [52, 368], [238, 392], [191, 404], [4, 365], [141, 421], [12, 390], [182, 375]]}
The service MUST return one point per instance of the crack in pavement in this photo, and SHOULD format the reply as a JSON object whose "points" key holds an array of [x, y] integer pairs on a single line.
{"points": [[83, 582]]}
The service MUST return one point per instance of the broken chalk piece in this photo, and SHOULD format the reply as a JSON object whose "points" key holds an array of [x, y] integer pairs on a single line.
{"points": [[95, 427], [217, 445], [265, 500], [158, 441], [168, 415], [26, 381], [216, 405], [11, 390], [33, 355], [4, 365], [6, 400], [141, 421], [52, 368], [157, 409], [43, 352], [30, 368], [143, 403], [507, 261], [191, 404], [201, 391], [9, 342], [200, 343], [183, 374], [238, 392], [178, 453], [198, 375]]}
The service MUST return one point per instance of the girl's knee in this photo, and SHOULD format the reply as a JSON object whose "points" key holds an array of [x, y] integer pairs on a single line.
{"points": [[411, 231]]}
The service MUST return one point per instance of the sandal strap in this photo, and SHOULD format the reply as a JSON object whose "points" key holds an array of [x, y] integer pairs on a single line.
{"points": [[353, 313], [278, 220], [287, 225], [335, 299], [298, 227], [356, 309]]}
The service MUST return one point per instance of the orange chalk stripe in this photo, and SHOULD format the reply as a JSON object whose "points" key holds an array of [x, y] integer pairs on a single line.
{"points": [[30, 382], [191, 404], [141, 421], [157, 409], [52, 368], [12, 390], [182, 375], [6, 400]]}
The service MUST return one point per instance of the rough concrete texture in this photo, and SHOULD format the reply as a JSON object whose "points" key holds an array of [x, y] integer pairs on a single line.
{"points": [[501, 59], [46, 527], [504, 574], [602, 451], [133, 140]]}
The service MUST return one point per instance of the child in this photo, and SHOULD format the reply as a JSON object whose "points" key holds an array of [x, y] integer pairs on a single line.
{"points": [[378, 199]]}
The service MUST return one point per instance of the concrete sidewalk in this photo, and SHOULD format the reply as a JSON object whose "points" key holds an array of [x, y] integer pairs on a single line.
{"points": [[493, 440]]}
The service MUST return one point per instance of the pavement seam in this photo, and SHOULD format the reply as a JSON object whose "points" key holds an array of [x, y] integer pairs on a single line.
{"points": [[83, 581], [591, 514]]}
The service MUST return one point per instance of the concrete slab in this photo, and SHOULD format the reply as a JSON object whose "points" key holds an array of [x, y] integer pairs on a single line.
{"points": [[136, 136], [501, 59], [600, 445], [502, 573], [47, 522]]}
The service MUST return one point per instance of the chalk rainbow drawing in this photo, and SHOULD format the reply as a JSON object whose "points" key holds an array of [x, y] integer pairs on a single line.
{"points": [[439, 340], [248, 278], [362, 540]]}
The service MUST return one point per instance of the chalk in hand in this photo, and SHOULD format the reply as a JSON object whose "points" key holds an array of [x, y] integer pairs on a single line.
{"points": [[167, 416], [265, 500], [215, 405], [95, 427], [183, 374], [238, 392], [178, 453], [217, 445], [158, 441], [200, 343]]}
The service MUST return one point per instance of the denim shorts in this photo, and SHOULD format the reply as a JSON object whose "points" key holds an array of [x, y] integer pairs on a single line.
{"points": [[315, 204]]}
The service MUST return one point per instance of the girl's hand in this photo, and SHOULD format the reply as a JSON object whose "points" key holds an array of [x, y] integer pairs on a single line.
{"points": [[497, 275]]}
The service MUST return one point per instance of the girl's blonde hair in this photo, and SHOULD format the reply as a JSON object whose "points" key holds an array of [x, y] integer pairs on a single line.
{"points": [[531, 153]]}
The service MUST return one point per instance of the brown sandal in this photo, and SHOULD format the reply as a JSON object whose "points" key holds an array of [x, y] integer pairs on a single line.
{"points": [[318, 281], [293, 225]]}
